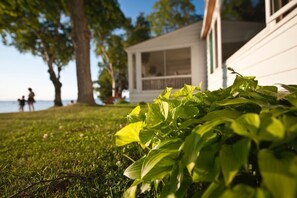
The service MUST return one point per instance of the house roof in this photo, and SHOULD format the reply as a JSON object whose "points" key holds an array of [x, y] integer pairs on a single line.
{"points": [[208, 13], [165, 36]]}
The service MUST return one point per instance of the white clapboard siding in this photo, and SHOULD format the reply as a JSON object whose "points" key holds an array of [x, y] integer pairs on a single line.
{"points": [[271, 55]]}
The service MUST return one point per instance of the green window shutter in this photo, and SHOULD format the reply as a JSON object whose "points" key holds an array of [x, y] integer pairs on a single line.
{"points": [[211, 52]]}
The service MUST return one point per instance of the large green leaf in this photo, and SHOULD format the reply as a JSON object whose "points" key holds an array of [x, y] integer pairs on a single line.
{"points": [[243, 191], [185, 185], [279, 175], [188, 123], [290, 88], [128, 134], [191, 148], [207, 166], [134, 170], [146, 136], [241, 101], [215, 189], [270, 91], [157, 113], [292, 98], [178, 183], [244, 83], [186, 91], [290, 123], [271, 129], [131, 191], [135, 111], [247, 125], [185, 112], [233, 157], [165, 94], [134, 115], [209, 126], [175, 182], [220, 114], [160, 159]]}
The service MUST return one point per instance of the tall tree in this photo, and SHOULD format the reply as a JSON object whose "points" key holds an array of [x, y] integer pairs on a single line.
{"points": [[97, 18], [41, 28], [114, 60], [104, 89], [102, 30], [139, 32], [169, 15], [81, 37]]}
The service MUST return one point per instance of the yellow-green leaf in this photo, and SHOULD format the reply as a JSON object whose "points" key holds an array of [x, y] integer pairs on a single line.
{"points": [[233, 157], [277, 174], [128, 134]]}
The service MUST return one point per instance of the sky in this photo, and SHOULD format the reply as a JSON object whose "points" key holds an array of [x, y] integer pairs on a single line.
{"points": [[19, 71]]}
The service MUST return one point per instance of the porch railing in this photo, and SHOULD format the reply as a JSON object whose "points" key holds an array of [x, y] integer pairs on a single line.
{"points": [[159, 83]]}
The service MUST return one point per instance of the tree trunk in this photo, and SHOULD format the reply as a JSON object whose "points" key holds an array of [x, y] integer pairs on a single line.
{"points": [[81, 41], [107, 62], [113, 86], [57, 84]]}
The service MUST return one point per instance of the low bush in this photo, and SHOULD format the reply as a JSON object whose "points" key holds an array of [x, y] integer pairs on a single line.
{"points": [[234, 142]]}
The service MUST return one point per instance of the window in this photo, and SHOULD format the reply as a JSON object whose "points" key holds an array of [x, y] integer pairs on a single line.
{"points": [[178, 62], [166, 63], [279, 9], [152, 64], [278, 4]]}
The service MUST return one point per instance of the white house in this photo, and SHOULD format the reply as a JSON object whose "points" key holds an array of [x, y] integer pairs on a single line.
{"points": [[179, 58], [271, 55], [170, 60]]}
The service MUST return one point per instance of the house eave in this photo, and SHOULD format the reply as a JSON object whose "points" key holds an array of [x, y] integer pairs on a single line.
{"points": [[135, 46], [208, 14]]}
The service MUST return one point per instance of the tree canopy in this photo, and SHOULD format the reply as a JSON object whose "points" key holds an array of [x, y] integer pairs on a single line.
{"points": [[113, 68], [168, 15], [139, 32], [41, 29], [114, 61]]}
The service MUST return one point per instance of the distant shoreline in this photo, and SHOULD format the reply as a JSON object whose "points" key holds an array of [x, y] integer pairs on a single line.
{"points": [[11, 106]]}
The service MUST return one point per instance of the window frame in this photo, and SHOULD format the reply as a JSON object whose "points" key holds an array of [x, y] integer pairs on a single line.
{"points": [[274, 16], [165, 64]]}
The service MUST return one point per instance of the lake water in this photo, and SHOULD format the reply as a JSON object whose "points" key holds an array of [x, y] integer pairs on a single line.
{"points": [[13, 106]]}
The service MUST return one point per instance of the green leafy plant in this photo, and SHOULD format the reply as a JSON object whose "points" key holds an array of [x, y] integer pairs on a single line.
{"points": [[233, 142]]}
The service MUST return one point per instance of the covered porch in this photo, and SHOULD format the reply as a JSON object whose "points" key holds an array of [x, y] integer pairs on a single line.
{"points": [[170, 60]]}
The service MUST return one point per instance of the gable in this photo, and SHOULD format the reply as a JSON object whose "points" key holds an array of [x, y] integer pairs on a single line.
{"points": [[184, 36]]}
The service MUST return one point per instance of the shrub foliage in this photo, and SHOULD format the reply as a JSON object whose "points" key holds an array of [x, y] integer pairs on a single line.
{"points": [[233, 142]]}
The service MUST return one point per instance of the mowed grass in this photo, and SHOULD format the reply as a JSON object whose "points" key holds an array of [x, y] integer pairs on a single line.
{"points": [[63, 152]]}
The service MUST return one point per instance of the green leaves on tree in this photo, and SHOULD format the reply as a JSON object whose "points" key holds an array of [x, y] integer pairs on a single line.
{"points": [[168, 15]]}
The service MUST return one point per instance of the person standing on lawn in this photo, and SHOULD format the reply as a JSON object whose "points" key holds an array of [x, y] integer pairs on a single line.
{"points": [[22, 103], [31, 100]]}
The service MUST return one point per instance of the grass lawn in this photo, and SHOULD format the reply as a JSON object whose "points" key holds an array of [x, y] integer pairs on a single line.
{"points": [[63, 152]]}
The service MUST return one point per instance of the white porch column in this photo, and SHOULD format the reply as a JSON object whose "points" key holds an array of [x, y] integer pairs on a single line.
{"points": [[219, 41], [267, 10], [138, 72], [130, 72]]}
